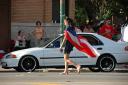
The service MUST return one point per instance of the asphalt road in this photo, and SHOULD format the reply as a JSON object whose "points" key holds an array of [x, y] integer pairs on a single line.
{"points": [[39, 77]]}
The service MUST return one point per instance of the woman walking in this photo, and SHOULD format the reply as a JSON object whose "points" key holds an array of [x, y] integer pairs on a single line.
{"points": [[68, 47]]}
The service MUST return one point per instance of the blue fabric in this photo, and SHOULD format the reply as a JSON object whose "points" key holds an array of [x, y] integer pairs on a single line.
{"points": [[71, 30]]}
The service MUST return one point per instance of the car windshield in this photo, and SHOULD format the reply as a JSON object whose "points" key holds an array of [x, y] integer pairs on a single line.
{"points": [[46, 41], [54, 41]]}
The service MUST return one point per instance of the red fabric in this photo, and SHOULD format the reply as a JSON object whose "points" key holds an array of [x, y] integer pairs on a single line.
{"points": [[107, 31], [1, 55]]}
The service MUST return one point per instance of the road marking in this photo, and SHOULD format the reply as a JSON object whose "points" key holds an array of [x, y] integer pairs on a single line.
{"points": [[47, 83]]}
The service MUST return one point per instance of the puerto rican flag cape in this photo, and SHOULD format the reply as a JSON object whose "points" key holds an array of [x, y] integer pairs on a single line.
{"points": [[80, 42]]}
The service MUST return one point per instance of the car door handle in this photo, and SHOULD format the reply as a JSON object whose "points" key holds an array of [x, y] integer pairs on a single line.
{"points": [[99, 48]]}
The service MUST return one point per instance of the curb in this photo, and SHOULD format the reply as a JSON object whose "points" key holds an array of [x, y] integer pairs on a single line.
{"points": [[117, 69]]}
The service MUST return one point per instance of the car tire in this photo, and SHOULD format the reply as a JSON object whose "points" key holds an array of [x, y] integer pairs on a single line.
{"points": [[94, 69], [27, 64], [106, 63]]}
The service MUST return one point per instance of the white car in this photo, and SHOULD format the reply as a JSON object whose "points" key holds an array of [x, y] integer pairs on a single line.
{"points": [[111, 53]]}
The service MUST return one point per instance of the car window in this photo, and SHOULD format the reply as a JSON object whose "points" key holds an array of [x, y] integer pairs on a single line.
{"points": [[56, 43], [92, 39]]}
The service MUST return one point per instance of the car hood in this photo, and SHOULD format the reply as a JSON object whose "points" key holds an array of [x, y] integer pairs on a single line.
{"points": [[27, 51]]}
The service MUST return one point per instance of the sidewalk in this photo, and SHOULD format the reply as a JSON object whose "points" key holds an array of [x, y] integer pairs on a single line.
{"points": [[119, 68]]}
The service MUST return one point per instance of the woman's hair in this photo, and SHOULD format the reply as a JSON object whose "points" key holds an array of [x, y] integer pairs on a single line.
{"points": [[70, 21], [19, 32], [38, 22]]}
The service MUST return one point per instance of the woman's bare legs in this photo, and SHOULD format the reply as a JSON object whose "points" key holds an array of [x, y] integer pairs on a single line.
{"points": [[68, 61], [66, 57]]}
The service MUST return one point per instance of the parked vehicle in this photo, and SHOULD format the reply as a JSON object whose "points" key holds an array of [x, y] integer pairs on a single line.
{"points": [[111, 53]]}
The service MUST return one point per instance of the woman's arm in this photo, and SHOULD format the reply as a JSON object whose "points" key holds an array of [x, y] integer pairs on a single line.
{"points": [[63, 42]]}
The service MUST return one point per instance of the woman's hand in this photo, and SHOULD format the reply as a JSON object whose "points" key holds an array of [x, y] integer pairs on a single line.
{"points": [[61, 50]]}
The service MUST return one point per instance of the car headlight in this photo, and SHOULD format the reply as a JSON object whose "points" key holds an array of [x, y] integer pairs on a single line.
{"points": [[10, 56]]}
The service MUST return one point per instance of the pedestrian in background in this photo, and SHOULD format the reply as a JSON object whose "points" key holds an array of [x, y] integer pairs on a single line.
{"points": [[77, 29], [107, 30], [68, 47], [38, 34], [88, 28], [20, 42]]}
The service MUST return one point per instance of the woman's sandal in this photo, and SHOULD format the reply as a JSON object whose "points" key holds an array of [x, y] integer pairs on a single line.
{"points": [[63, 73]]}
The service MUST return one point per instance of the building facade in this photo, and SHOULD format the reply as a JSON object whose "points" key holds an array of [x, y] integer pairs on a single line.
{"points": [[22, 15], [46, 11]]}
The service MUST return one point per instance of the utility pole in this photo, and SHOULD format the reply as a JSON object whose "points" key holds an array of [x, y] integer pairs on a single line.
{"points": [[62, 15]]}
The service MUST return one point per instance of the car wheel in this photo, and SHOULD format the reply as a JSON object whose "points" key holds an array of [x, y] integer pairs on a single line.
{"points": [[94, 69], [28, 64], [106, 63]]}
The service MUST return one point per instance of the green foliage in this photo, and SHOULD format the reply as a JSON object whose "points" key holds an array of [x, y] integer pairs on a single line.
{"points": [[102, 8], [81, 16]]}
